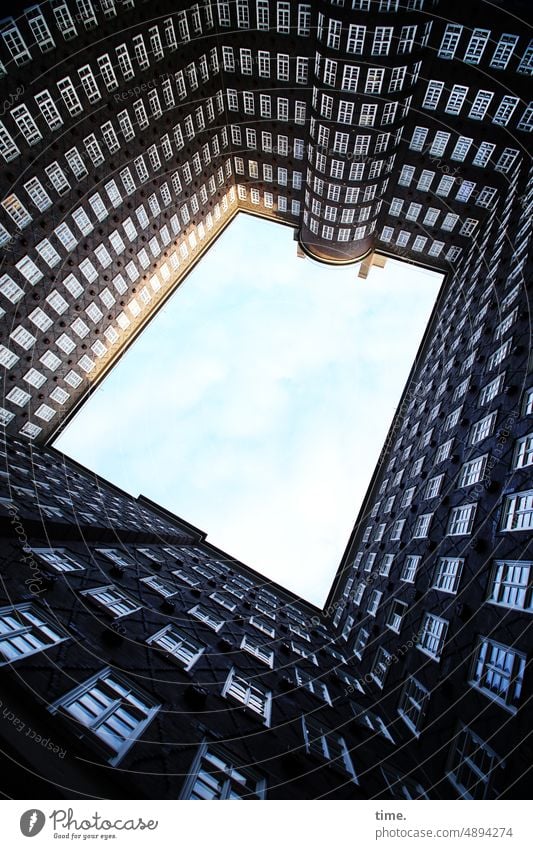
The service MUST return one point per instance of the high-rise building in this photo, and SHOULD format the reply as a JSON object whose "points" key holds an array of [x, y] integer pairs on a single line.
{"points": [[132, 134]]}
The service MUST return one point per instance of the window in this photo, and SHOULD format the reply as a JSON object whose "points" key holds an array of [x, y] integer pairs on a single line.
{"points": [[433, 93], [49, 110], [483, 154], [482, 428], [115, 601], [373, 602], [503, 51], [283, 17], [380, 666], [473, 471], [480, 105], [450, 40], [303, 651], [523, 455], [498, 671], [456, 100], [402, 787], [304, 19], [505, 110], [517, 512], [386, 564], [409, 570], [413, 703], [164, 588], [499, 355], [25, 631], [207, 617], [59, 559], [382, 41], [374, 80], [432, 635], [472, 764], [397, 528], [315, 686], [407, 498], [443, 451], [397, 611], [476, 46], [258, 650], [115, 712], [461, 520], [526, 62], [371, 720], [491, 390], [433, 486], [422, 524], [177, 645], [215, 774], [327, 746], [510, 584], [397, 78], [257, 700], [448, 574]]}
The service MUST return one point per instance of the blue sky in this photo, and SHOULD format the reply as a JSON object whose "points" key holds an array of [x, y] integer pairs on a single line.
{"points": [[256, 403]]}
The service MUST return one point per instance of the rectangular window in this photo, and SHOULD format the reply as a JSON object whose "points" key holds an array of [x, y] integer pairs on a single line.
{"points": [[380, 666], [517, 512], [503, 51], [476, 46], [498, 671], [113, 600], [256, 699], [511, 586], [472, 765], [480, 105], [456, 99], [523, 455], [177, 645], [421, 528], [327, 746], [413, 704], [24, 630], [373, 602], [450, 40], [258, 650], [448, 574], [461, 520], [505, 110], [432, 635], [207, 617], [472, 471], [215, 774], [382, 41], [412, 562], [113, 710], [283, 17], [397, 611], [433, 93]]}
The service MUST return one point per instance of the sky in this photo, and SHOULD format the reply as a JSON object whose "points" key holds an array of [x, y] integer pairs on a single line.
{"points": [[255, 404]]}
